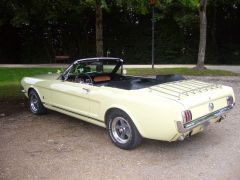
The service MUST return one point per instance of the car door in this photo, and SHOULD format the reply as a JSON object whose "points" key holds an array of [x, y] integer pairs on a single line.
{"points": [[69, 96], [94, 97]]}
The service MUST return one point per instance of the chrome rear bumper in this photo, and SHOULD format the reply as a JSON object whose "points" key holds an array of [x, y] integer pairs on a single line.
{"points": [[204, 120]]}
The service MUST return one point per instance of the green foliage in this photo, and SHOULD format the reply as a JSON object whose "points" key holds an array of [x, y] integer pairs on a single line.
{"points": [[34, 31], [190, 3]]}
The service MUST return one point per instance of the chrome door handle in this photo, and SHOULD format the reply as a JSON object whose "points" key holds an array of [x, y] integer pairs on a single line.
{"points": [[87, 90]]}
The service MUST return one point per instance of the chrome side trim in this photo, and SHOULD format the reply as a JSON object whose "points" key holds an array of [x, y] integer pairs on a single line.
{"points": [[183, 128], [74, 113]]}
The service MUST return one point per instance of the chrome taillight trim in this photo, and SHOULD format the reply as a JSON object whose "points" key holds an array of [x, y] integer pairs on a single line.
{"points": [[186, 116]]}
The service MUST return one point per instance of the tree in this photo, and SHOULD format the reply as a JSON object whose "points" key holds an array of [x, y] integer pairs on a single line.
{"points": [[202, 5], [98, 6], [203, 34], [130, 5], [99, 29]]}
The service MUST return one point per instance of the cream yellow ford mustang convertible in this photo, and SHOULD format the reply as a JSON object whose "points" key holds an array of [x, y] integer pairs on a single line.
{"points": [[167, 107]]}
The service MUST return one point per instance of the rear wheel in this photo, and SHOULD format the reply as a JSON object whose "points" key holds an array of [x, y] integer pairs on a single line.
{"points": [[122, 131], [35, 103]]}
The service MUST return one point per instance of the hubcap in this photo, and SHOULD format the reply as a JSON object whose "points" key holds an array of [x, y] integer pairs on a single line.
{"points": [[34, 102], [121, 130]]}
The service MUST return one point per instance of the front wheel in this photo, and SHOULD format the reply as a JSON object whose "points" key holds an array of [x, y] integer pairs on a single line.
{"points": [[122, 131], [35, 103]]}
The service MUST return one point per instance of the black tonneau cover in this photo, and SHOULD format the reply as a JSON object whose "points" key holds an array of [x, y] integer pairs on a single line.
{"points": [[140, 82]]}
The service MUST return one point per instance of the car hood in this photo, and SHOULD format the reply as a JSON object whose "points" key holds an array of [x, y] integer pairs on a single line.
{"points": [[49, 76]]}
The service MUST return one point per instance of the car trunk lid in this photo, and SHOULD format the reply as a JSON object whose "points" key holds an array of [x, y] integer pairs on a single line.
{"points": [[200, 97]]}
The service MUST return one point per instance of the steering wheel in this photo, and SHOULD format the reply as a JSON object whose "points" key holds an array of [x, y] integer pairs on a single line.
{"points": [[89, 78]]}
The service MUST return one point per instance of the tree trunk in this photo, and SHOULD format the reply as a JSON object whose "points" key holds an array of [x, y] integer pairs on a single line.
{"points": [[99, 30], [213, 28], [213, 32], [203, 34]]}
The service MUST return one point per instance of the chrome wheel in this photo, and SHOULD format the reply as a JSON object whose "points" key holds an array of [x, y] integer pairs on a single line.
{"points": [[121, 130], [34, 104]]}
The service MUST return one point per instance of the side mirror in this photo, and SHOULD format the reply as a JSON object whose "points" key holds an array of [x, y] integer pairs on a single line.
{"points": [[124, 72], [59, 71]]}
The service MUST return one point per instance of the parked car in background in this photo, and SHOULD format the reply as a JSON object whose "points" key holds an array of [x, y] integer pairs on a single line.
{"points": [[167, 107]]}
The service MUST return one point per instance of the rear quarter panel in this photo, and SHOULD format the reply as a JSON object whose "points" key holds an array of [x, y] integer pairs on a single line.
{"points": [[153, 115]]}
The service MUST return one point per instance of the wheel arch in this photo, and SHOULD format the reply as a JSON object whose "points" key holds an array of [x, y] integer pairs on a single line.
{"points": [[31, 88], [135, 122], [40, 109]]}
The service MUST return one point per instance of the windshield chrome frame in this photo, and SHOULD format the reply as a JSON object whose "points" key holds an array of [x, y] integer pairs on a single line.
{"points": [[119, 64]]}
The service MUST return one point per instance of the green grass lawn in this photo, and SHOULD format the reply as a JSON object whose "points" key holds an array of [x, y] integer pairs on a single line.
{"points": [[182, 71], [10, 77]]}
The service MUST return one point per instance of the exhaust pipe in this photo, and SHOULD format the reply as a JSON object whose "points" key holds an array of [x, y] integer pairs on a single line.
{"points": [[221, 118], [181, 138]]}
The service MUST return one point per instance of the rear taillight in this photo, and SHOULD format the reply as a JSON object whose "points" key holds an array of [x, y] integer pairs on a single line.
{"points": [[187, 116], [230, 101]]}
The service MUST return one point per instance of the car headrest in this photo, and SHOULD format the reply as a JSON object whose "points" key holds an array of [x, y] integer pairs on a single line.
{"points": [[169, 78]]}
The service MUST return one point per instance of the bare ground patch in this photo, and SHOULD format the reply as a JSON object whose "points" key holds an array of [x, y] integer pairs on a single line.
{"points": [[55, 146]]}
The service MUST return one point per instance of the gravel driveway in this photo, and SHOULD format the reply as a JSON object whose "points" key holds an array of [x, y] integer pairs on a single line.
{"points": [[55, 146]]}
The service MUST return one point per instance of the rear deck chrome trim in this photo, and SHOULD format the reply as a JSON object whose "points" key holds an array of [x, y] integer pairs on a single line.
{"points": [[183, 128]]}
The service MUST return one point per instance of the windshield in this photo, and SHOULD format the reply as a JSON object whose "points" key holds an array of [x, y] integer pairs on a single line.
{"points": [[94, 66]]}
